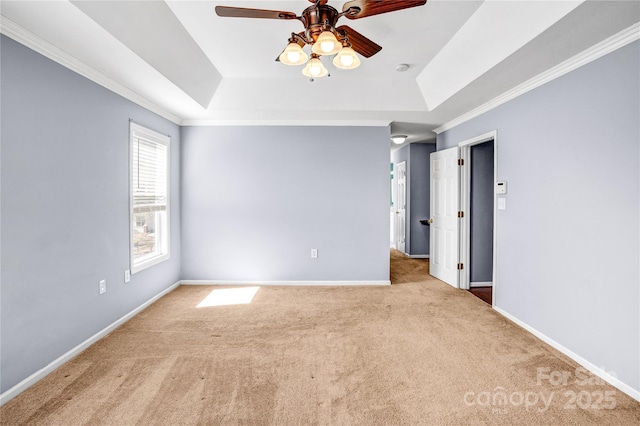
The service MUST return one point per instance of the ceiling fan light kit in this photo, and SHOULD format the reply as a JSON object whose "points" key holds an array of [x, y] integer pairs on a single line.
{"points": [[322, 34]]}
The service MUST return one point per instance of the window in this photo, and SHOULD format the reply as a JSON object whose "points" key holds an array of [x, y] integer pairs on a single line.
{"points": [[149, 192]]}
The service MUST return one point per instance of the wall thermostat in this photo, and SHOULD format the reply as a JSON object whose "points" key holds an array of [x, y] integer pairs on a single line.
{"points": [[501, 187]]}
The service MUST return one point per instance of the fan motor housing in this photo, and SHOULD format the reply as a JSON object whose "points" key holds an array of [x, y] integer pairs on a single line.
{"points": [[318, 18]]}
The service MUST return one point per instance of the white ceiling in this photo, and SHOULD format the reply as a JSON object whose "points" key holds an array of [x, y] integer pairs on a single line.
{"points": [[182, 60]]}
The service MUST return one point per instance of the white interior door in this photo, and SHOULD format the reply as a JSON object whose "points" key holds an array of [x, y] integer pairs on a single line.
{"points": [[445, 188], [401, 211]]}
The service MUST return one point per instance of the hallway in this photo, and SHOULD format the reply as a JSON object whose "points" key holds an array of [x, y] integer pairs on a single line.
{"points": [[406, 270]]}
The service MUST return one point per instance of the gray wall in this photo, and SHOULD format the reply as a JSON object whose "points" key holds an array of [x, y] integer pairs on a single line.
{"points": [[65, 211], [256, 200], [417, 157], [568, 241], [481, 210]]}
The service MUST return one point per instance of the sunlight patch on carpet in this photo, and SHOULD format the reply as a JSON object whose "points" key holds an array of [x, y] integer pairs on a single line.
{"points": [[229, 296]]}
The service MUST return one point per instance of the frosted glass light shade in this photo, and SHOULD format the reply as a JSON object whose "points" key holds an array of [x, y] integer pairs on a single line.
{"points": [[326, 44], [398, 139], [315, 69], [346, 59], [293, 55]]}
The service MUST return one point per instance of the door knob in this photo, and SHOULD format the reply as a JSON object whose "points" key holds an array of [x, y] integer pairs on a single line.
{"points": [[430, 221]]}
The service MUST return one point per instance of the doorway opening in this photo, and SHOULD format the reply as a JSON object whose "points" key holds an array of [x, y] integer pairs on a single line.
{"points": [[401, 209], [478, 225]]}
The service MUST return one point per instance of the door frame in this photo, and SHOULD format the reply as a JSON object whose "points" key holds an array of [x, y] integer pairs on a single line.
{"points": [[401, 199], [465, 204], [392, 207]]}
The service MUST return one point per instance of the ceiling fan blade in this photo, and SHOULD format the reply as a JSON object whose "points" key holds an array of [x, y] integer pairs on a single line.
{"points": [[360, 43], [241, 12], [376, 7]]}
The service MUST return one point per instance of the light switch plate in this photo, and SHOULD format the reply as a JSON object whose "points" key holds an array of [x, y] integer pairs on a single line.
{"points": [[502, 203]]}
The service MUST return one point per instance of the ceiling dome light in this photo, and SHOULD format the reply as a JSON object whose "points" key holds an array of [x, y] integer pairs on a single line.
{"points": [[399, 139], [293, 55], [326, 44], [346, 59], [315, 68]]}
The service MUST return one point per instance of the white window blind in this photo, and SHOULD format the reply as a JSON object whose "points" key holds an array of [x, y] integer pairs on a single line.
{"points": [[149, 176]]}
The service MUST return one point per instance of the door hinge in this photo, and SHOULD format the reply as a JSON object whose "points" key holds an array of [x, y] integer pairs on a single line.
{"points": [[460, 214], [460, 162], [460, 266]]}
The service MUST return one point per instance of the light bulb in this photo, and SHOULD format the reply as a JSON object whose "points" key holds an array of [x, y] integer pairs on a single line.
{"points": [[346, 60], [315, 68], [327, 46], [293, 56]]}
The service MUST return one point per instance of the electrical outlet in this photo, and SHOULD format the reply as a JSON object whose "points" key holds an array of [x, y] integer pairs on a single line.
{"points": [[314, 253], [127, 276], [103, 286]]}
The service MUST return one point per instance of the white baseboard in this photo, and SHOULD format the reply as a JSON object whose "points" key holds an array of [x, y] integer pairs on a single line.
{"points": [[481, 284], [40, 374], [286, 283], [600, 372], [417, 256]]}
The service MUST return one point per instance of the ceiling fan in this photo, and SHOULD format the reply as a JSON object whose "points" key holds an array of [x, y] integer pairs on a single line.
{"points": [[321, 33]]}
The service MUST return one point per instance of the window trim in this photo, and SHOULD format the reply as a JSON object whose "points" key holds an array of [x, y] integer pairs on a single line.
{"points": [[136, 130]]}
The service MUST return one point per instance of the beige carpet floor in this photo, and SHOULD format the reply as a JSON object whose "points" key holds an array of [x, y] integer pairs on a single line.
{"points": [[415, 353]]}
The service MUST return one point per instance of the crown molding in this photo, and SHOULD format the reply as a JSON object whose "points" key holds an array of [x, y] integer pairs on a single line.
{"points": [[283, 122], [43, 47], [597, 51]]}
